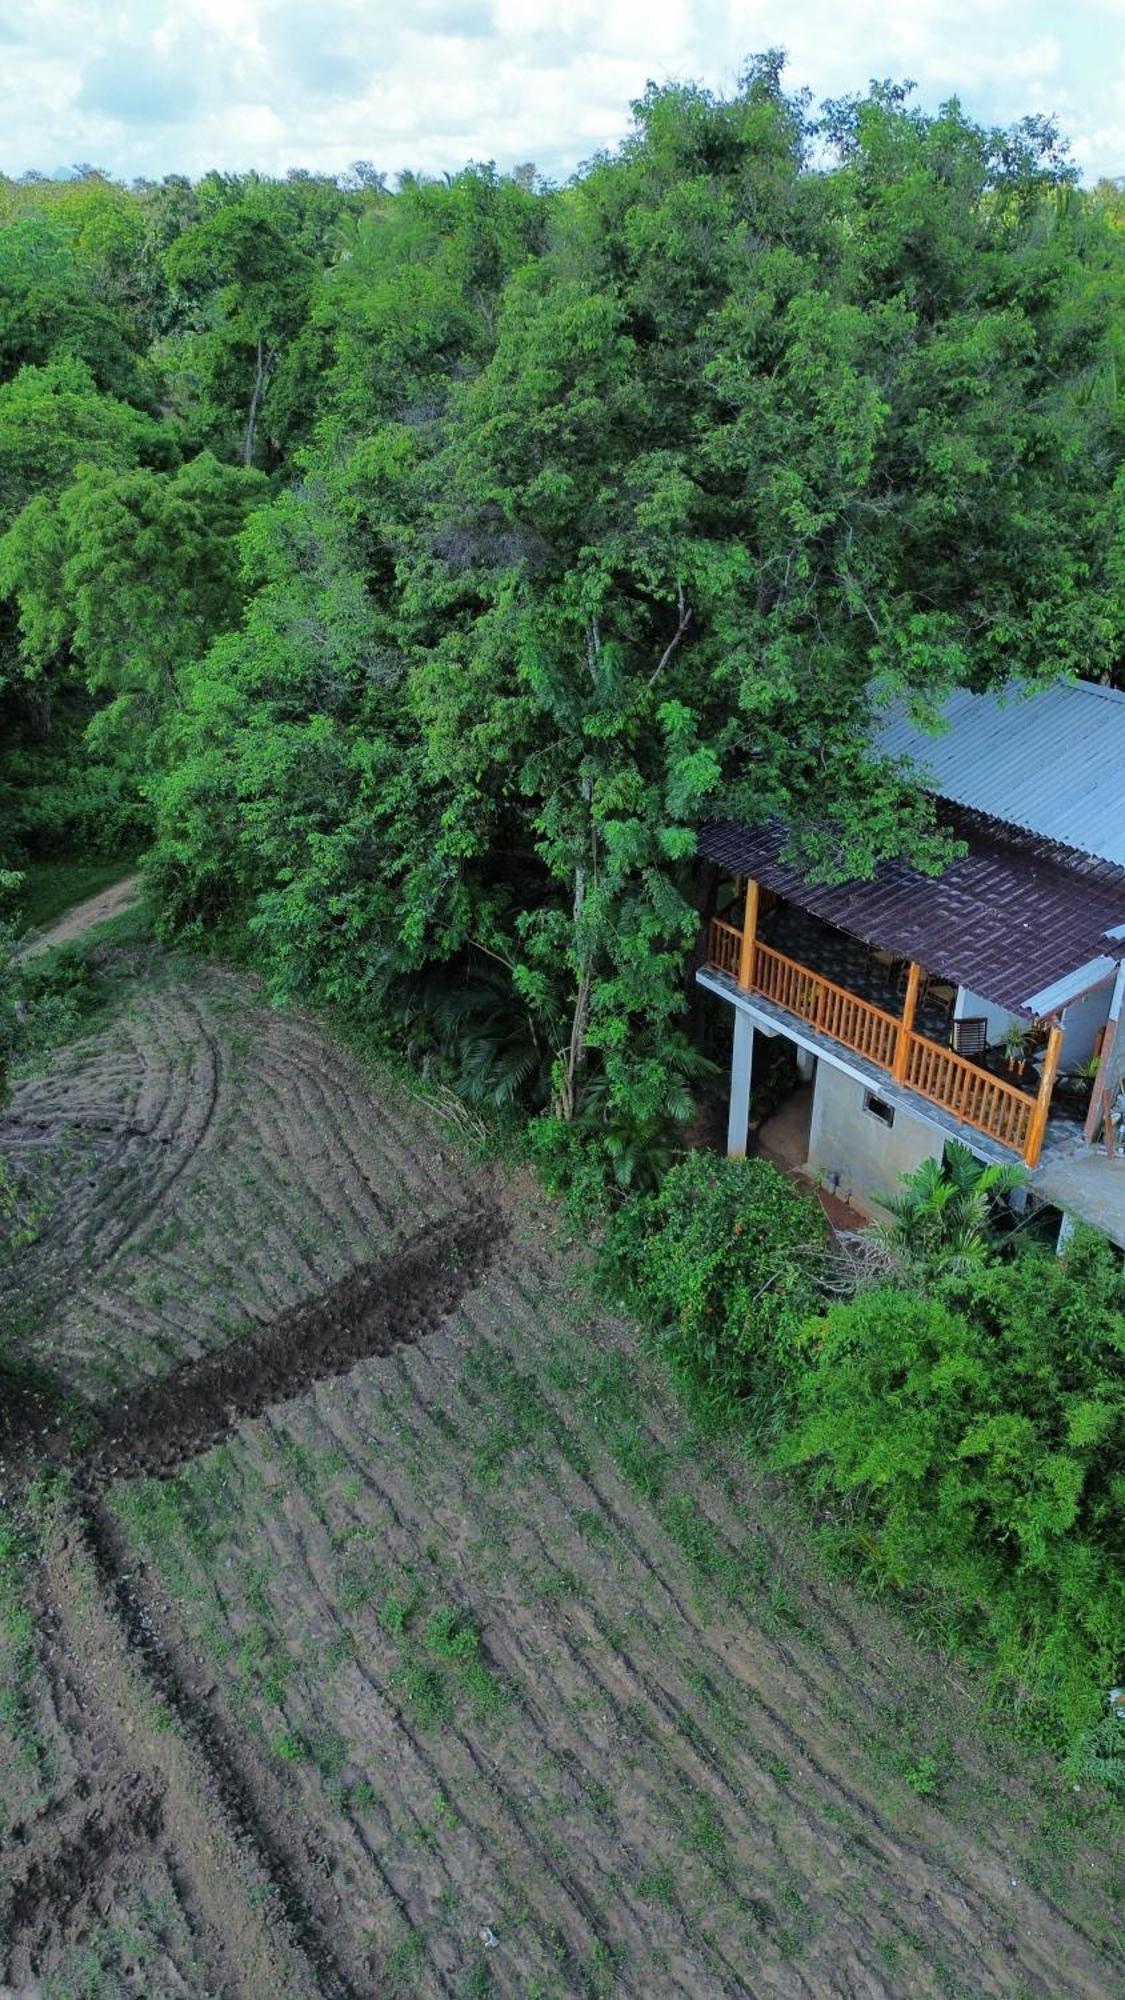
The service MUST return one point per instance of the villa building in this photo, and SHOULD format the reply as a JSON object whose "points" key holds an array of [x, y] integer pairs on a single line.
{"points": [[983, 1004]]}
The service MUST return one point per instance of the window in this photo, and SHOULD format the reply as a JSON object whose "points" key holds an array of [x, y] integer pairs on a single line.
{"points": [[878, 1108]]}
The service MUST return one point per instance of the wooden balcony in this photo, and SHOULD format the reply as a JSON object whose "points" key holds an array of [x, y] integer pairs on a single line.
{"points": [[963, 1089]]}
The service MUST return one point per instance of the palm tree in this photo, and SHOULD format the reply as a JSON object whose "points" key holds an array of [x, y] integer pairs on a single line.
{"points": [[942, 1222]]}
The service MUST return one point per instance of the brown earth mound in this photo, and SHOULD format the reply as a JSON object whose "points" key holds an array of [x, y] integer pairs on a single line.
{"points": [[377, 1308]]}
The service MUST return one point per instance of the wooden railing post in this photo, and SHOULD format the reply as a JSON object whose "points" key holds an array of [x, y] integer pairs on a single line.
{"points": [[1047, 1077], [749, 937], [906, 1025]]}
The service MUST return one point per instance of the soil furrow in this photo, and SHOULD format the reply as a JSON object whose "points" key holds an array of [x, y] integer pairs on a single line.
{"points": [[251, 1798], [155, 1429]]}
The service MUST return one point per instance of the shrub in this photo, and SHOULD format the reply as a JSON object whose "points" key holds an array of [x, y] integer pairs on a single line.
{"points": [[59, 994], [982, 1433], [724, 1259], [944, 1217]]}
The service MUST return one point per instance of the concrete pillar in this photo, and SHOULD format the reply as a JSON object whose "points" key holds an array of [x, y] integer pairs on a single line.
{"points": [[806, 1063], [1066, 1231], [741, 1061]]}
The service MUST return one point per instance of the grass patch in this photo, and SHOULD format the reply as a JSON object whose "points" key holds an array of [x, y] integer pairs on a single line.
{"points": [[658, 1885], [50, 888], [289, 1746], [425, 1692], [440, 1660], [17, 1640]]}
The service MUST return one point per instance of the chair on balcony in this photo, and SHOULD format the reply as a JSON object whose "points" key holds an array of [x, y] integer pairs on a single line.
{"points": [[937, 998], [887, 965], [970, 1036]]}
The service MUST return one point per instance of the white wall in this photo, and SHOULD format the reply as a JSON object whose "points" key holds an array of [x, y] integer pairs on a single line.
{"points": [[970, 1006], [865, 1156], [1081, 1022]]}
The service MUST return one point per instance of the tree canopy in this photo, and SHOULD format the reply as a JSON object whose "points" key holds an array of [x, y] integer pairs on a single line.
{"points": [[459, 550]]}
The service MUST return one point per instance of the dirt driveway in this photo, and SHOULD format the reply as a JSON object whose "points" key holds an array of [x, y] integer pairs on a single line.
{"points": [[111, 902], [391, 1632]]}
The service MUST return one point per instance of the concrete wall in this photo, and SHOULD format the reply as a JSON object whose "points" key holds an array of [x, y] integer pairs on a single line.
{"points": [[867, 1156]]}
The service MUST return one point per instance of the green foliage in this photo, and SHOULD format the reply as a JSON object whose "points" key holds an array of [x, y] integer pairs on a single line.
{"points": [[943, 1218], [468, 1023], [11, 1010], [48, 309], [626, 507], [724, 1262], [129, 575], [59, 991], [54, 419], [49, 888], [245, 280], [977, 1435]]}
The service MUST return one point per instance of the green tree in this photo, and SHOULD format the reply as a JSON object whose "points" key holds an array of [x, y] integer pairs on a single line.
{"points": [[54, 418], [943, 1217], [48, 308], [247, 282], [125, 578]]}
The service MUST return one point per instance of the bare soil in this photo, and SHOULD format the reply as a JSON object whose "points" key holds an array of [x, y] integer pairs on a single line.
{"points": [[391, 1631]]}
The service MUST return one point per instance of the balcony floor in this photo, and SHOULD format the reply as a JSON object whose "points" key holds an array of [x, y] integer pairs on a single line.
{"points": [[845, 961], [1086, 1184]]}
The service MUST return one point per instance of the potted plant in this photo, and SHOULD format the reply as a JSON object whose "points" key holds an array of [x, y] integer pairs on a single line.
{"points": [[1017, 1041], [1084, 1076]]}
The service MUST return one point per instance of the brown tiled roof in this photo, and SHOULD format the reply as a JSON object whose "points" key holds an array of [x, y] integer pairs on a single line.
{"points": [[1012, 918]]}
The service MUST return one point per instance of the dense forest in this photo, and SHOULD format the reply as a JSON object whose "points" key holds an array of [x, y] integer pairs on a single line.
{"points": [[409, 574], [404, 576]]}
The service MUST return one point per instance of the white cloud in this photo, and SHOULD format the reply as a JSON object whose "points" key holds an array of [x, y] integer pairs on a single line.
{"points": [[148, 86]]}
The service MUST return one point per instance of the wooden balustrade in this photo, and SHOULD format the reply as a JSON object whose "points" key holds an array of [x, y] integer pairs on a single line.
{"points": [[966, 1091], [830, 1008], [972, 1094], [724, 943]]}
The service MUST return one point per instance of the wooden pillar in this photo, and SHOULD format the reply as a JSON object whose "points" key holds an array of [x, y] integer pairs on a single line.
{"points": [[1108, 1061], [749, 938], [906, 1025], [1043, 1101]]}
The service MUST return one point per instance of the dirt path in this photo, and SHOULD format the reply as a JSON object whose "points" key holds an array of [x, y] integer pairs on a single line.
{"points": [[440, 1657], [148, 1786], [86, 916]]}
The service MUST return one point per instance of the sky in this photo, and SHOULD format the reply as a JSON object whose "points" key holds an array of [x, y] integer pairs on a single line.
{"points": [[150, 87]]}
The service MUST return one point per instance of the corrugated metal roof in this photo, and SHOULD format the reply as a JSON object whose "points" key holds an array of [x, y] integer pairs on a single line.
{"points": [[1010, 920], [1052, 762]]}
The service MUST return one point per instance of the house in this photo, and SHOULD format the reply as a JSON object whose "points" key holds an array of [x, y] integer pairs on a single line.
{"points": [[983, 1004]]}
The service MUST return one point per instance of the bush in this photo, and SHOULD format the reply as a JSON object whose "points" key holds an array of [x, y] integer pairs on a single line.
{"points": [[982, 1432], [724, 1259], [60, 992]]}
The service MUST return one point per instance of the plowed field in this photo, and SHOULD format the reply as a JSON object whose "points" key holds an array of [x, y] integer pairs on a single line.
{"points": [[389, 1631]]}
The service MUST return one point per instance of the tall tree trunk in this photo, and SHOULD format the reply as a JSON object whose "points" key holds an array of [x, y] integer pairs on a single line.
{"points": [[568, 1095], [262, 374], [569, 1092]]}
